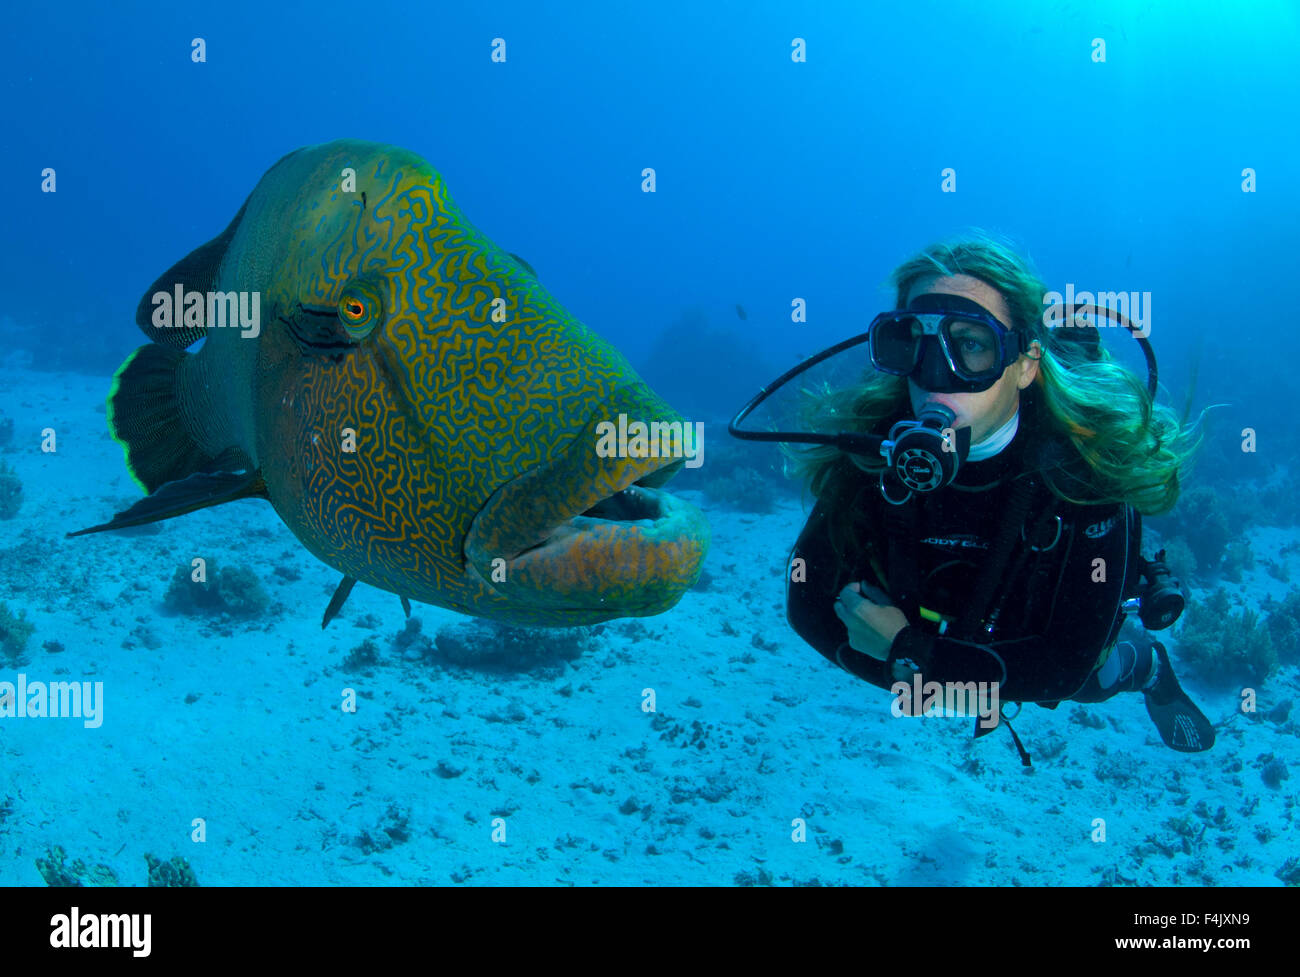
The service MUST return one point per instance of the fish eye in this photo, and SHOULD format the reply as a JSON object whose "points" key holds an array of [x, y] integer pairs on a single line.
{"points": [[360, 309]]}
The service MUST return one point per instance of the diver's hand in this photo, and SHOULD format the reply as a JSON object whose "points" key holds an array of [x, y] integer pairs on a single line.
{"points": [[871, 619]]}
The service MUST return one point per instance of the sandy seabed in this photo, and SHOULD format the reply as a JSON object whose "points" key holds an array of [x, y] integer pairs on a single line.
{"points": [[453, 774]]}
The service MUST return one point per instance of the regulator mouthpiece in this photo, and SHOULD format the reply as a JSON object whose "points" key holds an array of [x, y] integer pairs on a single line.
{"points": [[922, 455]]}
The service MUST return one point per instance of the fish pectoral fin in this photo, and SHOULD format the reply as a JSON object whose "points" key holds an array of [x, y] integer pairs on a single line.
{"points": [[406, 605], [201, 490], [340, 598]]}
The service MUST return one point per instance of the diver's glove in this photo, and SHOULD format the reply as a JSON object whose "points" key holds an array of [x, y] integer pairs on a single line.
{"points": [[1181, 724]]}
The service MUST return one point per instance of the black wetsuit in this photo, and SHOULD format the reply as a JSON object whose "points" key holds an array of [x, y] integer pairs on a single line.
{"points": [[1055, 619]]}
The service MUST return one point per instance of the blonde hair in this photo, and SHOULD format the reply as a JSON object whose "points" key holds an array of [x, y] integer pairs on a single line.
{"points": [[1134, 450]]}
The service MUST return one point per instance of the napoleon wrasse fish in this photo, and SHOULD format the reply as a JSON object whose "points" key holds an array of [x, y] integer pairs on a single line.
{"points": [[416, 407]]}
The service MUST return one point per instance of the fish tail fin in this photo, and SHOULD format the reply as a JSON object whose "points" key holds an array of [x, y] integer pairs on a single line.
{"points": [[145, 418]]}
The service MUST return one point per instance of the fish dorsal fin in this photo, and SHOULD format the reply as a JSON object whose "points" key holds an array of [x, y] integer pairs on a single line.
{"points": [[199, 491], [522, 263], [196, 272]]}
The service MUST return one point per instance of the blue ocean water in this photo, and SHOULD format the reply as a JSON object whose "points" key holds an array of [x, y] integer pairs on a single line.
{"points": [[798, 154]]}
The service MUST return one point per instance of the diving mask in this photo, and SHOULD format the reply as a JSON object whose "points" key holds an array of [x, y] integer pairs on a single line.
{"points": [[945, 344]]}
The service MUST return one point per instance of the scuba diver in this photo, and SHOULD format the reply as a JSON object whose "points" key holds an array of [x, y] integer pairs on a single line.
{"points": [[979, 499]]}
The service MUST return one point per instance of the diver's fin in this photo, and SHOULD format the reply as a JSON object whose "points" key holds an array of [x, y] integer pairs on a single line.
{"points": [[406, 605], [199, 491], [338, 600], [1182, 725]]}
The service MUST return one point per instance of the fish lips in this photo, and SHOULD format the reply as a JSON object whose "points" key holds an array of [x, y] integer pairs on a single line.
{"points": [[611, 544]]}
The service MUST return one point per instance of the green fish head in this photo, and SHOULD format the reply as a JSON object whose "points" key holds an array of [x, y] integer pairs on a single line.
{"points": [[431, 421]]}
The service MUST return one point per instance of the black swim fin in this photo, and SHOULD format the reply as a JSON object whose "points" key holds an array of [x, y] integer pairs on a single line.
{"points": [[1182, 725]]}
